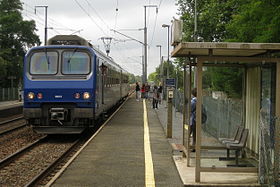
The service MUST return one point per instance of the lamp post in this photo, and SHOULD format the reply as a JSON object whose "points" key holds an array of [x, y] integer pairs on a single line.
{"points": [[46, 25], [167, 26], [145, 40], [160, 61]]}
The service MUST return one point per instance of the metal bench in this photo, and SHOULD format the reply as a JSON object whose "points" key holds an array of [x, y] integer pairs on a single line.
{"points": [[236, 138], [238, 146]]}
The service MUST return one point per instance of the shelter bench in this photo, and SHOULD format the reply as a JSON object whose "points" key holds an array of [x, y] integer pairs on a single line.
{"points": [[237, 146]]}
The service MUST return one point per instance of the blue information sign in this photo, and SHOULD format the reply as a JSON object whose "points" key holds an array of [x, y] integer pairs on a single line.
{"points": [[170, 82]]}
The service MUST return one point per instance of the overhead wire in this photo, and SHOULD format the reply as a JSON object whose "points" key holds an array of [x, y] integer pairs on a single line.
{"points": [[90, 17], [116, 15], [95, 11], [160, 3], [51, 21]]}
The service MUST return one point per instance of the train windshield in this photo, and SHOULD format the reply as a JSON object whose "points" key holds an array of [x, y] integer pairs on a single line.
{"points": [[75, 62], [44, 63]]}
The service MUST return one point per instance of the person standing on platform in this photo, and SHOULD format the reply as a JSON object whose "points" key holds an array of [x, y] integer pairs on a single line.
{"points": [[143, 91], [155, 97], [193, 117], [137, 90], [147, 90], [160, 93]]}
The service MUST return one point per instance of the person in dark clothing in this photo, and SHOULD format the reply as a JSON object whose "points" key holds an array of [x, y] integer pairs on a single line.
{"points": [[160, 93], [155, 97], [137, 90], [193, 117], [147, 89]]}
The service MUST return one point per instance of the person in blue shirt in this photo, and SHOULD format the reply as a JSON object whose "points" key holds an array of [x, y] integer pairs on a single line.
{"points": [[193, 117]]}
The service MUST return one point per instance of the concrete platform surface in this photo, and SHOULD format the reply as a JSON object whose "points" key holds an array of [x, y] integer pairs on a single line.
{"points": [[217, 179], [209, 158], [116, 156]]}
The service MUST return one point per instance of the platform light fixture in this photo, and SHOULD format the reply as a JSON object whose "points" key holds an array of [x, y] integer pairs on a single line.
{"points": [[168, 27]]}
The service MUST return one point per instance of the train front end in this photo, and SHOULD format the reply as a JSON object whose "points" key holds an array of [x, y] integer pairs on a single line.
{"points": [[59, 84]]}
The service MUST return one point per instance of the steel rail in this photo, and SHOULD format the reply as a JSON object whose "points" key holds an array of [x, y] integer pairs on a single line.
{"points": [[55, 163], [13, 156], [12, 129], [11, 120]]}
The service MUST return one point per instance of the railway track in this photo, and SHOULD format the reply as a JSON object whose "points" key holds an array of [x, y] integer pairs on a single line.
{"points": [[12, 124], [37, 163], [29, 165]]}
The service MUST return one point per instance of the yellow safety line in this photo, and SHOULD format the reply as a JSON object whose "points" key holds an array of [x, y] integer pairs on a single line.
{"points": [[149, 168]]}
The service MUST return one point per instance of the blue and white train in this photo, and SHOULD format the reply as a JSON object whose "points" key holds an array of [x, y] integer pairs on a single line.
{"points": [[69, 84]]}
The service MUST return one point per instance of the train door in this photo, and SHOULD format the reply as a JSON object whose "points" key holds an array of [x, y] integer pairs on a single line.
{"points": [[103, 69], [98, 87]]}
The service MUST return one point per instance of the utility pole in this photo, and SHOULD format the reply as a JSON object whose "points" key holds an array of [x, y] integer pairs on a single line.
{"points": [[145, 39], [160, 61], [46, 25], [167, 26], [143, 69]]}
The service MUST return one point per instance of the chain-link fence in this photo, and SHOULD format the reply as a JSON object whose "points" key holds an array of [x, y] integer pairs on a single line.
{"points": [[223, 115], [8, 94]]}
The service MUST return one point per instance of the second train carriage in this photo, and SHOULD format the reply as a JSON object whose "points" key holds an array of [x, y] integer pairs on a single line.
{"points": [[68, 84]]}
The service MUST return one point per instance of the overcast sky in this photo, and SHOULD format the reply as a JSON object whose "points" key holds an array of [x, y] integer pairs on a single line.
{"points": [[93, 19]]}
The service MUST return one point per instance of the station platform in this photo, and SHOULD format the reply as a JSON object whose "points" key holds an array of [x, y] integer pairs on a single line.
{"points": [[130, 150], [119, 154], [10, 108], [10, 104]]}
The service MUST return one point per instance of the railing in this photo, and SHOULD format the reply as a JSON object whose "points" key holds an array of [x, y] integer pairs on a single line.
{"points": [[223, 115], [8, 94]]}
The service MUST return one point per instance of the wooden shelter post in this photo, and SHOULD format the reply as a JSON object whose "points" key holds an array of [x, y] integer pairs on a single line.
{"points": [[189, 86], [185, 103], [198, 120], [277, 126]]}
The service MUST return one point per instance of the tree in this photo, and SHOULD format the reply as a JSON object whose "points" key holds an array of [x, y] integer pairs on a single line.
{"points": [[16, 36], [212, 18], [229, 20], [257, 21]]}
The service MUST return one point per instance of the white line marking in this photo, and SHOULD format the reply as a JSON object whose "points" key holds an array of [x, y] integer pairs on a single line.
{"points": [[149, 168]]}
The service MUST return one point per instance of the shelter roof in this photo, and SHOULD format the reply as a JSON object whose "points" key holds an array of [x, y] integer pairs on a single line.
{"points": [[224, 49]]}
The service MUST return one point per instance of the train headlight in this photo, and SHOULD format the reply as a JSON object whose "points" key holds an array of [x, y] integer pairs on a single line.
{"points": [[31, 95], [86, 95], [40, 96], [77, 96]]}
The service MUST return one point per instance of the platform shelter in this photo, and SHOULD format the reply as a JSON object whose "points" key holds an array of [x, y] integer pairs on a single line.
{"points": [[261, 95]]}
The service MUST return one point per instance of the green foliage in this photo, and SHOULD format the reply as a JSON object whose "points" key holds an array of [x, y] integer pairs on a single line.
{"points": [[230, 20], [16, 36], [212, 18], [175, 71], [152, 77], [225, 79], [257, 21], [133, 79]]}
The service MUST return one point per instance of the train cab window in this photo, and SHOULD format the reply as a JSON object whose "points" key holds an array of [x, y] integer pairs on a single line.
{"points": [[44, 63], [75, 62]]}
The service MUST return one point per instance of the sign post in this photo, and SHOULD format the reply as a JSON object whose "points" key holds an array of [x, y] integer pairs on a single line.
{"points": [[170, 84]]}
